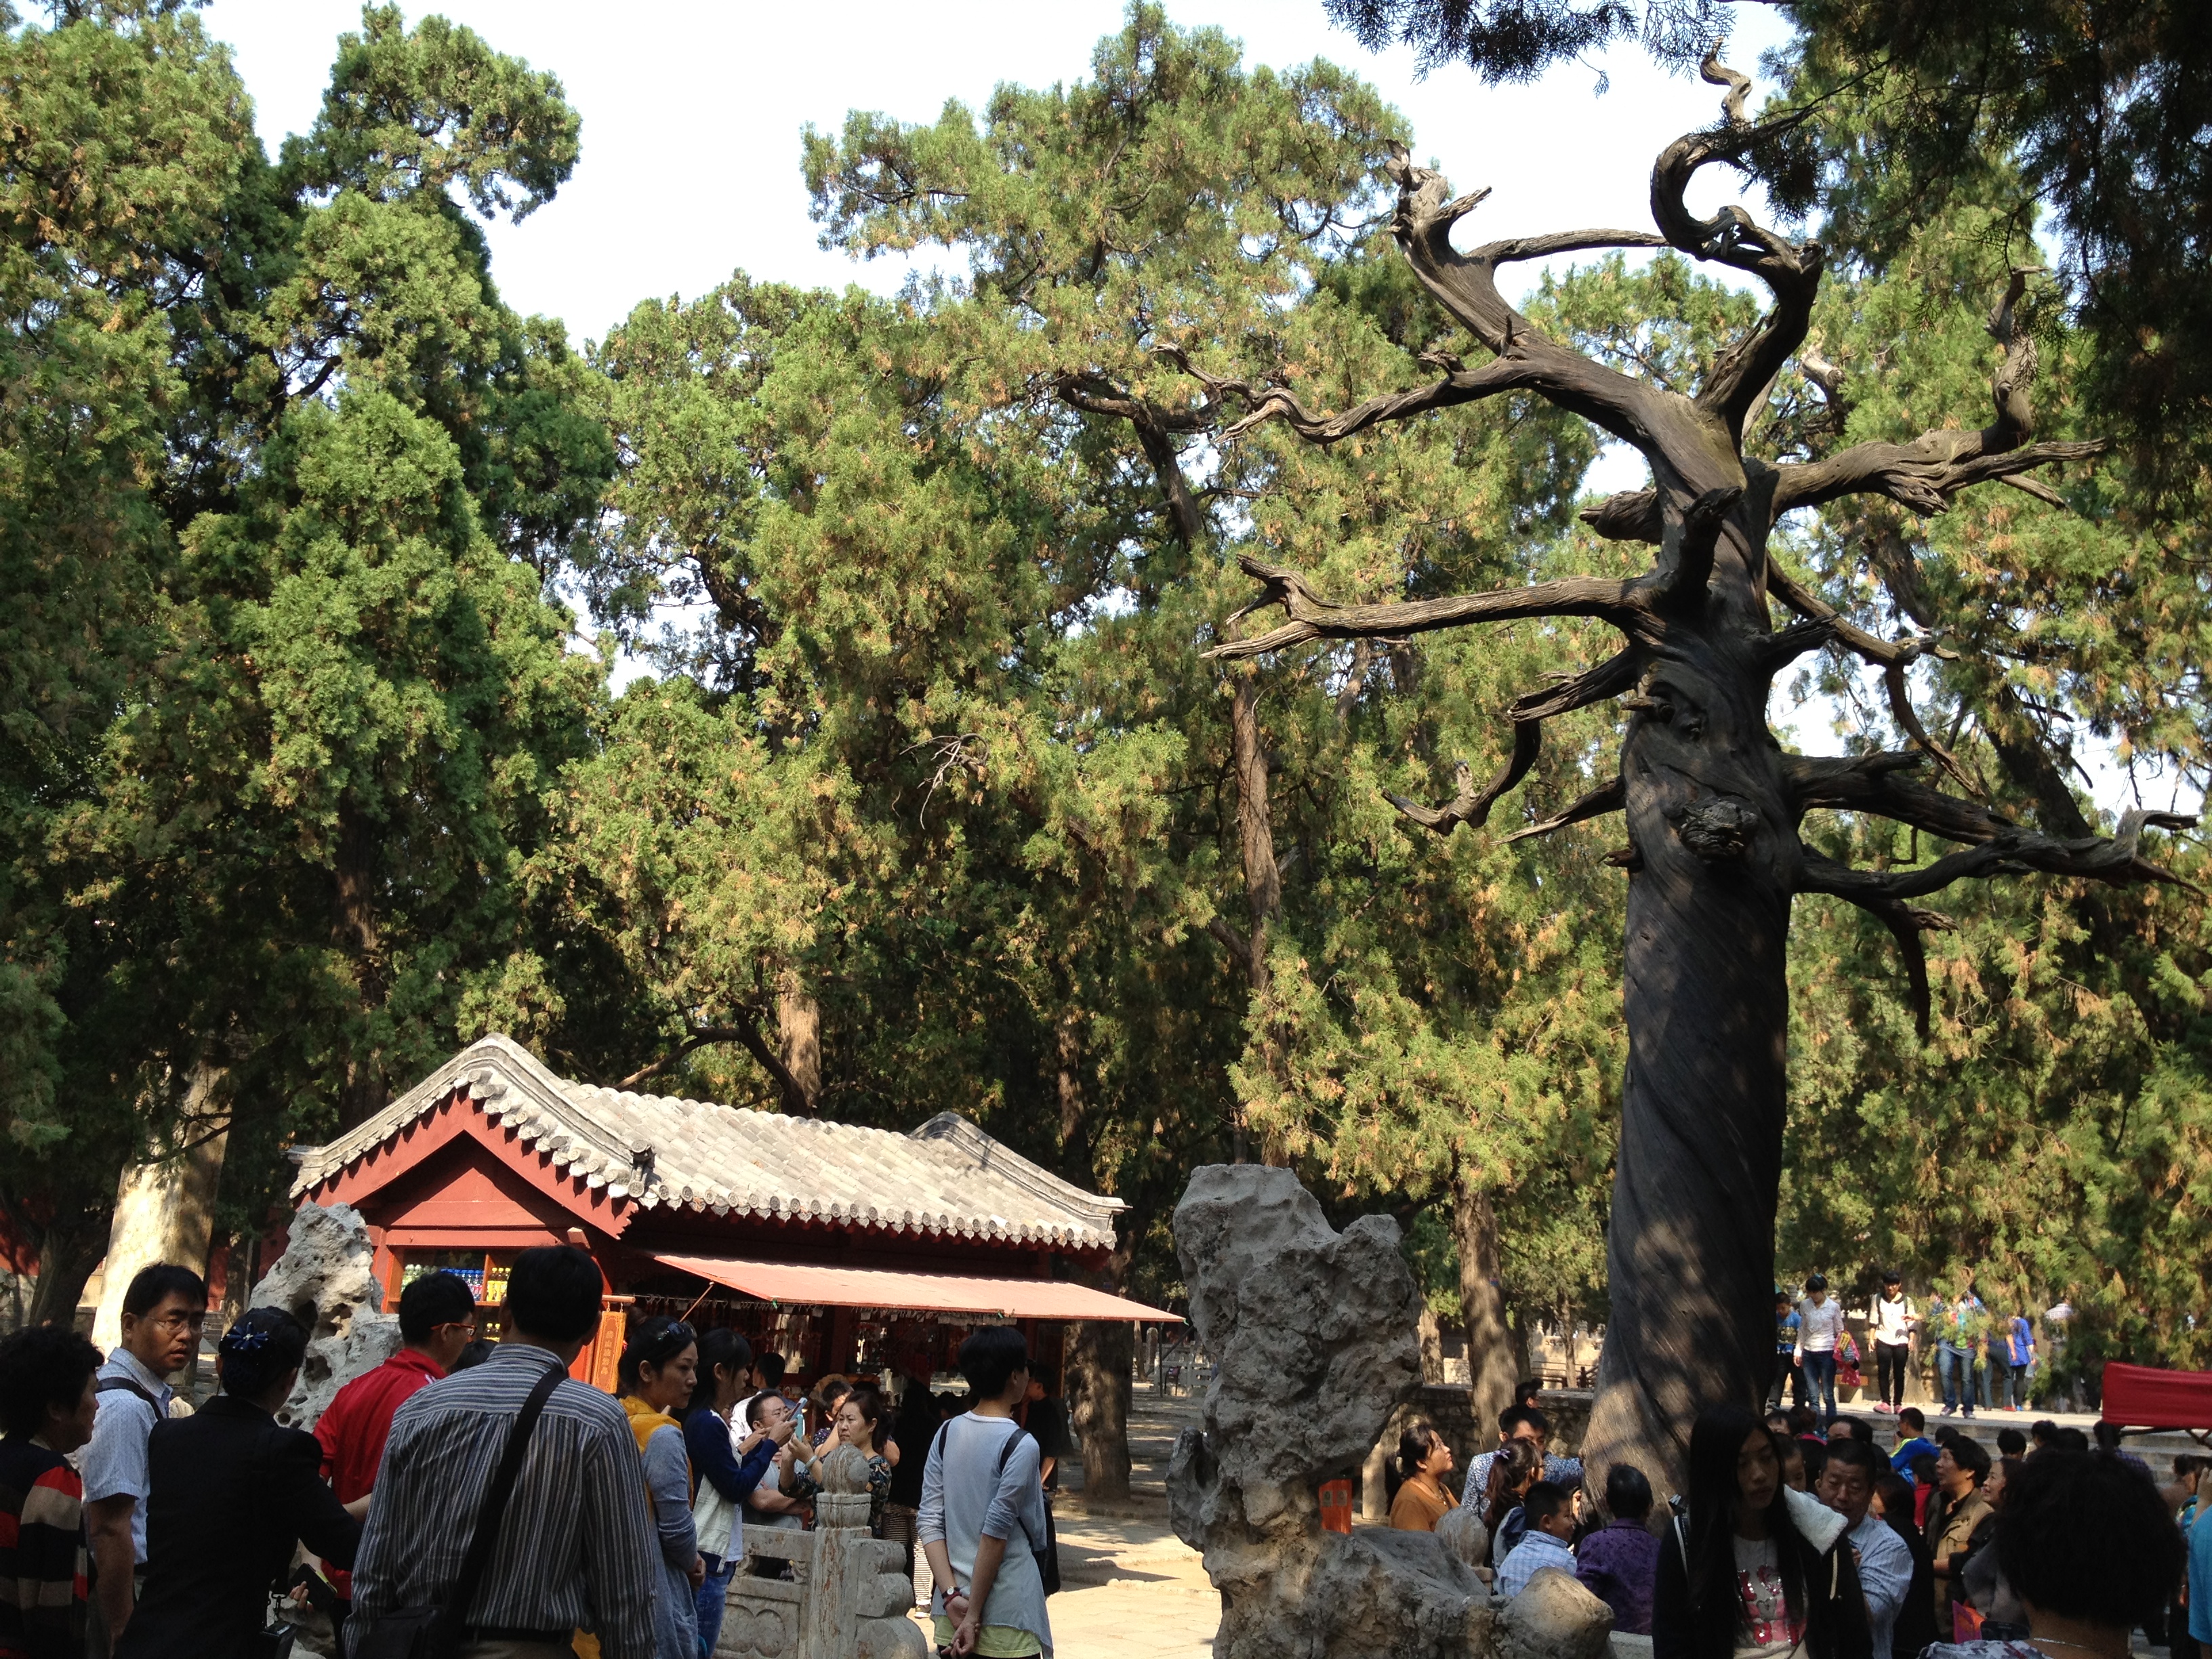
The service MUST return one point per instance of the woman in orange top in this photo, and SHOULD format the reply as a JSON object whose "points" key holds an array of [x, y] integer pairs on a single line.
{"points": [[658, 1370], [1424, 1459]]}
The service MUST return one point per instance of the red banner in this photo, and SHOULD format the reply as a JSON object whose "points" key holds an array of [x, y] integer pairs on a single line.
{"points": [[2141, 1396]]}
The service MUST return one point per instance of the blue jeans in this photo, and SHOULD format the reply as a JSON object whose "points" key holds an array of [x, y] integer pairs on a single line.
{"points": [[1957, 1371], [1820, 1382], [709, 1599]]}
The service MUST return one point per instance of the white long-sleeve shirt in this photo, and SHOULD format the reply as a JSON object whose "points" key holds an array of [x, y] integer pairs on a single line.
{"points": [[1823, 1325]]}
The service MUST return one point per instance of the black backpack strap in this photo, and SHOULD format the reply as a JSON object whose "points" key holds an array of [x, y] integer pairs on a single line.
{"points": [[496, 1496], [129, 1385], [998, 1473]]}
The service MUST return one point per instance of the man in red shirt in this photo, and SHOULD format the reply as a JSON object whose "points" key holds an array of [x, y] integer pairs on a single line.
{"points": [[437, 1319]]}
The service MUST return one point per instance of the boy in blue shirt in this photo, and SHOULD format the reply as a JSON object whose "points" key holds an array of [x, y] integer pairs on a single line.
{"points": [[1912, 1441], [1786, 1324]]}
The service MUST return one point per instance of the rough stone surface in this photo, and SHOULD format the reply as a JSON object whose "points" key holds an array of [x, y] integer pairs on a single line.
{"points": [[1554, 1618], [1464, 1534], [1314, 1333], [324, 1278]]}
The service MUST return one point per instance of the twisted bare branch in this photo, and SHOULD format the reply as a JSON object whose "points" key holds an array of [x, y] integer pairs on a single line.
{"points": [[1906, 922], [1313, 617], [1893, 657], [1925, 474], [1269, 402], [1731, 237], [1471, 805], [1611, 796], [2013, 852]]}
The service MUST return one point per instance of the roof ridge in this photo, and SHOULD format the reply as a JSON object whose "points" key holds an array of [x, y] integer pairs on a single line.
{"points": [[948, 1176], [1035, 1178]]}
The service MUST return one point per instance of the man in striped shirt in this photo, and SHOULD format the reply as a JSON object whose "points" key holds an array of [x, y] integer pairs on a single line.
{"points": [[46, 1408], [577, 1548]]}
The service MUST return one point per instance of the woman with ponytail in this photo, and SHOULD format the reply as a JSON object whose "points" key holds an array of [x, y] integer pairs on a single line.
{"points": [[727, 1463], [1423, 1499], [230, 1491], [657, 1374], [1754, 1567]]}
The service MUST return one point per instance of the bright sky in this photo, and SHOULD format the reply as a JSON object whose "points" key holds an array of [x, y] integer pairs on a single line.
{"points": [[692, 114]]}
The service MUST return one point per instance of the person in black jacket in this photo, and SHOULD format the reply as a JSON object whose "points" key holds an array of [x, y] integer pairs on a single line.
{"points": [[231, 1491], [1753, 1567], [1916, 1620]]}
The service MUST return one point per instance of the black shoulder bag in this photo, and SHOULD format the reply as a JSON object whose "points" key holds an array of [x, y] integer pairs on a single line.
{"points": [[434, 1632]]}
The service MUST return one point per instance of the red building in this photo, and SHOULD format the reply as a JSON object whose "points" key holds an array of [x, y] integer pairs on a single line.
{"points": [[843, 1248]]}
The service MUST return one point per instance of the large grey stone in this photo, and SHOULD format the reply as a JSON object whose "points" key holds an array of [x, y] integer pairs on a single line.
{"points": [[1553, 1617], [1314, 1332], [1464, 1534], [325, 1280]]}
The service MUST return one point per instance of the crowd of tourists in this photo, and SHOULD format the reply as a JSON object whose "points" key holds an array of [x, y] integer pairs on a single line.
{"points": [[471, 1498], [1980, 1356], [1797, 1536]]}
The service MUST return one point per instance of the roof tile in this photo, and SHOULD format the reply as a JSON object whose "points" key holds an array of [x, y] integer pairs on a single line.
{"points": [[947, 1176]]}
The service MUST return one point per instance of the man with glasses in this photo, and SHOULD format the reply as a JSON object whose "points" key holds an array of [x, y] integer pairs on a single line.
{"points": [[162, 1312], [437, 1319]]}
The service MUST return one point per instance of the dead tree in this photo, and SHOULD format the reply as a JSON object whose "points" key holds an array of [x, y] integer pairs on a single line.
{"points": [[1713, 804]]}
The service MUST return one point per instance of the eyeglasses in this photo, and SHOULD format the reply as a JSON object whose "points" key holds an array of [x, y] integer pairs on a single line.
{"points": [[181, 1322]]}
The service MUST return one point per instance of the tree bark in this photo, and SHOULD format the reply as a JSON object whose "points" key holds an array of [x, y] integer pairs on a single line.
{"points": [[799, 1038], [164, 1209], [68, 1252], [1100, 1358], [1099, 1362], [1263, 881], [1690, 1249], [1492, 1364]]}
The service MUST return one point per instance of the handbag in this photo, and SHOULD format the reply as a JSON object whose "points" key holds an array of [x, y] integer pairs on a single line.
{"points": [[434, 1631]]}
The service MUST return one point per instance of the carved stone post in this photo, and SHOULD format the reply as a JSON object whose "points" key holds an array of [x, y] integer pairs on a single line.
{"points": [[857, 1596]]}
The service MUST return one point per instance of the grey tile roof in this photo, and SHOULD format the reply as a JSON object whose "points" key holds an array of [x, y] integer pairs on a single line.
{"points": [[947, 1177]]}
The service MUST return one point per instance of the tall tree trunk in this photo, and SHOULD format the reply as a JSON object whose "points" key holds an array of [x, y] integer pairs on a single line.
{"points": [[164, 1209], [365, 1089], [798, 1036], [1263, 883], [1714, 858], [1492, 1364], [1067, 1046], [68, 1252], [1099, 1361]]}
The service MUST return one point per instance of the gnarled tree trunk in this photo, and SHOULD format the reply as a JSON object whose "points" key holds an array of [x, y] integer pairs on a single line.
{"points": [[1712, 803]]}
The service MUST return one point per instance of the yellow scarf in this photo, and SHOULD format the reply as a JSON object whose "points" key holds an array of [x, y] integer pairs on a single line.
{"points": [[644, 1420]]}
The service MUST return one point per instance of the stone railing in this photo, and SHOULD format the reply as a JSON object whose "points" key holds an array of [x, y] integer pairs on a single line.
{"points": [[848, 1592]]}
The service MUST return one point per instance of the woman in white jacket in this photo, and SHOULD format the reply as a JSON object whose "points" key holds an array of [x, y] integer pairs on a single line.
{"points": [[1819, 1329]]}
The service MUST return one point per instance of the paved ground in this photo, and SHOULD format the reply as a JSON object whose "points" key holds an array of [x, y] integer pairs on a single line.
{"points": [[1130, 1588]]}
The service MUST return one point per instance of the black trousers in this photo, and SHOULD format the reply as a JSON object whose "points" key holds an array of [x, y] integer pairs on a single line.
{"points": [[1889, 1360]]}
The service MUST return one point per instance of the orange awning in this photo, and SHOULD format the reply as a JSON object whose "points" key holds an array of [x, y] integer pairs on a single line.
{"points": [[877, 1287]]}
